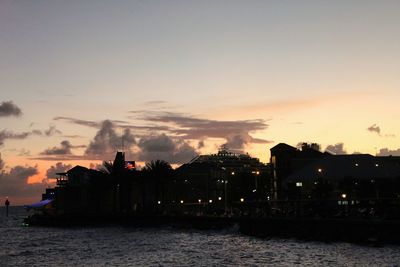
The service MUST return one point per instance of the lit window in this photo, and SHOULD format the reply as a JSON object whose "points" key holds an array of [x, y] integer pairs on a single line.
{"points": [[299, 184]]}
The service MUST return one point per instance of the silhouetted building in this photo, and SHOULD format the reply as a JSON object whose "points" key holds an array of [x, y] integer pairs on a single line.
{"points": [[222, 181], [286, 159], [358, 182]]}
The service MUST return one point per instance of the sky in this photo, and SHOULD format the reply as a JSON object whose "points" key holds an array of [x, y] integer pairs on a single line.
{"points": [[174, 79]]}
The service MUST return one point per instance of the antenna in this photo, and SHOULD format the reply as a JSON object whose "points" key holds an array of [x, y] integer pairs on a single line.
{"points": [[122, 142]]}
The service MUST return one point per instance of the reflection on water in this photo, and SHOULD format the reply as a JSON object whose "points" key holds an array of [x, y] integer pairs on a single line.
{"points": [[117, 246]]}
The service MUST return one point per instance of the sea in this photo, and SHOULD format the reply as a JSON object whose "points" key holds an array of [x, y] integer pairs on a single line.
{"points": [[167, 246]]}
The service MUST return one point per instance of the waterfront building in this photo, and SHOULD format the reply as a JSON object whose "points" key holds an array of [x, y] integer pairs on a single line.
{"points": [[285, 160], [222, 182]]}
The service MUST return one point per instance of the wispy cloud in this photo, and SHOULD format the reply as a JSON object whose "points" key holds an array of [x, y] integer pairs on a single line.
{"points": [[4, 135], [236, 133], [78, 121], [65, 148]]}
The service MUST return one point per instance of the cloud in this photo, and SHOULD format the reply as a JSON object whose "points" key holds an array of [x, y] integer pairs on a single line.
{"points": [[4, 135], [2, 164], [57, 168], [175, 151], [141, 129], [14, 183], [188, 127], [337, 149], [8, 108], [107, 141], [64, 149], [78, 121], [374, 129], [388, 152], [52, 131]]}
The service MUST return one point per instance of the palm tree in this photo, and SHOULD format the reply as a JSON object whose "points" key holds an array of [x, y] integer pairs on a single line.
{"points": [[106, 167], [159, 173], [157, 168]]}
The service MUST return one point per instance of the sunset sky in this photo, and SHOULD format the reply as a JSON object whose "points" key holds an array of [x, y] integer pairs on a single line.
{"points": [[180, 78]]}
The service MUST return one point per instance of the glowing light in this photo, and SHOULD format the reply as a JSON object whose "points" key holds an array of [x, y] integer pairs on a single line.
{"points": [[199, 200], [210, 201], [219, 198], [299, 184], [319, 170], [344, 195], [159, 202], [181, 201], [242, 200], [233, 173]]}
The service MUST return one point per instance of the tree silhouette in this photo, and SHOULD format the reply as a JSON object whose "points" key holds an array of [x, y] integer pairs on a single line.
{"points": [[106, 167], [158, 173], [157, 168]]}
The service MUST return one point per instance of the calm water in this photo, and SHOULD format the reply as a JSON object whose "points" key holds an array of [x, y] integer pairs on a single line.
{"points": [[117, 246]]}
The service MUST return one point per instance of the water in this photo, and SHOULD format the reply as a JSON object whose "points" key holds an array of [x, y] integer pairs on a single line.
{"points": [[118, 246]]}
